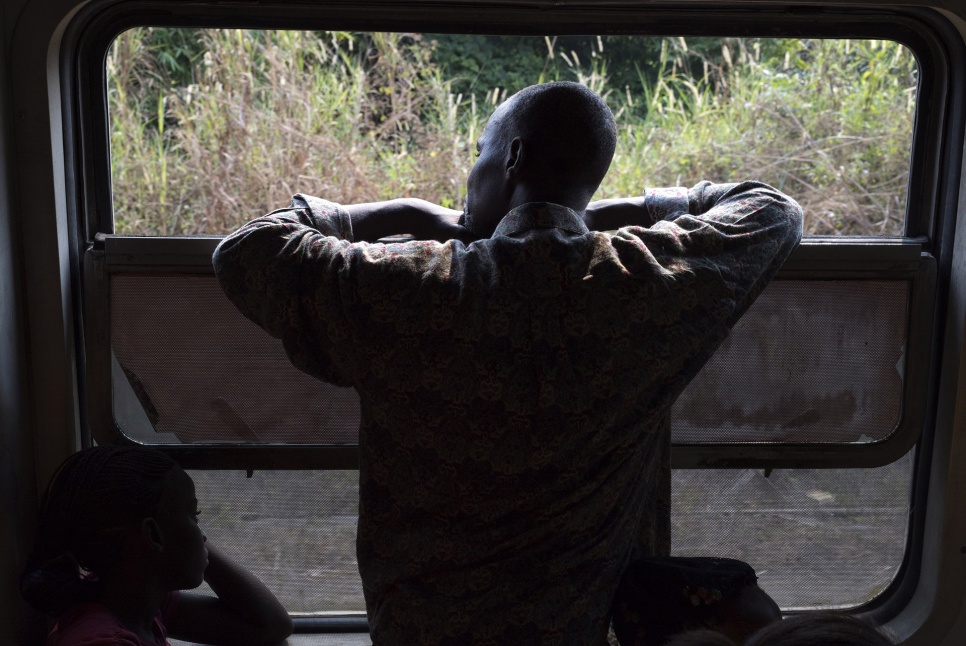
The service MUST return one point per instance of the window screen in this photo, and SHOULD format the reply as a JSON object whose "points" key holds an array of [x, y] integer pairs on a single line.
{"points": [[816, 537], [811, 361], [188, 367]]}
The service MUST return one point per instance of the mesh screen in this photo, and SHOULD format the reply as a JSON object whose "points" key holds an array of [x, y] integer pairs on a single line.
{"points": [[831, 537], [811, 361], [203, 372], [816, 537], [295, 530]]}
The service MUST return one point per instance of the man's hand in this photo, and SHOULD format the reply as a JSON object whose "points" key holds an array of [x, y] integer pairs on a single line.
{"points": [[419, 218]]}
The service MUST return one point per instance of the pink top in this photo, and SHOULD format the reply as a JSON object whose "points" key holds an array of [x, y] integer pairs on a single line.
{"points": [[92, 624]]}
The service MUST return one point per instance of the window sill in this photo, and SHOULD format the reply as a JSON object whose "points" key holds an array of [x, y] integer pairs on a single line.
{"points": [[313, 639]]}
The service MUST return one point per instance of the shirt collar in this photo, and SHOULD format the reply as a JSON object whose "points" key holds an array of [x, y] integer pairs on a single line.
{"points": [[540, 215]]}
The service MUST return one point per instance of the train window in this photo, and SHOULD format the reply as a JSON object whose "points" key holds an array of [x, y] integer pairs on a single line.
{"points": [[194, 124], [209, 128]]}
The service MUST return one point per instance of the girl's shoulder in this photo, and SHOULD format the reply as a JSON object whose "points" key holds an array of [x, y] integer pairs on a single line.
{"points": [[92, 624]]}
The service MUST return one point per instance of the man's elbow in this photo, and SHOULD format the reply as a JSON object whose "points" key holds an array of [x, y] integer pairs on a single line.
{"points": [[787, 212], [255, 287], [795, 218]]}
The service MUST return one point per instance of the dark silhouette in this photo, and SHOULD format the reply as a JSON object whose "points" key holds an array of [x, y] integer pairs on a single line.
{"points": [[118, 538], [825, 628], [811, 629], [515, 365]]}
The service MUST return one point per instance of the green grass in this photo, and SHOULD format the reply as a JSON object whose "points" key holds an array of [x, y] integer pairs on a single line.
{"points": [[211, 128]]}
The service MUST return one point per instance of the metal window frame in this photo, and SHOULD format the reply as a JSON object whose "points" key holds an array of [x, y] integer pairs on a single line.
{"points": [[817, 258], [932, 197], [92, 32], [910, 258]]}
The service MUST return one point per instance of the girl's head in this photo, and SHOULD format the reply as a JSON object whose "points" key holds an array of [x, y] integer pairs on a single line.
{"points": [[111, 510], [826, 628]]}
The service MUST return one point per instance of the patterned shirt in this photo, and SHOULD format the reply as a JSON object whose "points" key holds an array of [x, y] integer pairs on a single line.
{"points": [[514, 450]]}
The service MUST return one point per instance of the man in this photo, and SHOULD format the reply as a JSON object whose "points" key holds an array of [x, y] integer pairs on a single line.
{"points": [[513, 455]]}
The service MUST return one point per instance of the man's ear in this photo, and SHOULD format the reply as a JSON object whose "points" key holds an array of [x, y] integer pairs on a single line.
{"points": [[152, 535], [515, 157]]}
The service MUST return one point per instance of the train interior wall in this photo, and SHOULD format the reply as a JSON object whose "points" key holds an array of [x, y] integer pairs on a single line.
{"points": [[18, 491]]}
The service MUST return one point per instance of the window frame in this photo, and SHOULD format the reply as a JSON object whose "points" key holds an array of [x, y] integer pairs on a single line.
{"points": [[932, 197], [814, 259], [95, 33], [906, 258]]}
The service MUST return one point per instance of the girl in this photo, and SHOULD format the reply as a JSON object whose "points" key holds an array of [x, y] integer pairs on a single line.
{"points": [[826, 628], [813, 629], [118, 538]]}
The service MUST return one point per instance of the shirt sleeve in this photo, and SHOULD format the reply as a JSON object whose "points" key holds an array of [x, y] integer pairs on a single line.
{"points": [[108, 638], [263, 271], [740, 232], [90, 625], [258, 264], [662, 203], [713, 249], [297, 273]]}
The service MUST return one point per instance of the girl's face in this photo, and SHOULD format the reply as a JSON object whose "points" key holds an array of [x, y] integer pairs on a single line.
{"points": [[185, 556]]}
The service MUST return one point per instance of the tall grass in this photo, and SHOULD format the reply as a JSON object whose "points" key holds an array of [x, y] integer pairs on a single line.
{"points": [[829, 123], [273, 113], [366, 117]]}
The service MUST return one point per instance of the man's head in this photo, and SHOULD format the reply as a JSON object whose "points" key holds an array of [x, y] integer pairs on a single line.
{"points": [[547, 143]]}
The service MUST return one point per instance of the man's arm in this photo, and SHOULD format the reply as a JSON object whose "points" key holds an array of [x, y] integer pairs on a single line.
{"points": [[419, 218], [259, 264], [655, 205], [612, 214], [700, 272], [296, 273], [741, 232]]}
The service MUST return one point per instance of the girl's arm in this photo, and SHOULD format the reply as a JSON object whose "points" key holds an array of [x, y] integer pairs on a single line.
{"points": [[244, 612]]}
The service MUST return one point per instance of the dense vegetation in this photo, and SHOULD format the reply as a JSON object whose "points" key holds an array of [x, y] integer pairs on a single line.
{"points": [[210, 128]]}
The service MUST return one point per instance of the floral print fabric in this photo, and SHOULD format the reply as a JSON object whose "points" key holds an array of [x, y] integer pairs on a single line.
{"points": [[514, 448]]}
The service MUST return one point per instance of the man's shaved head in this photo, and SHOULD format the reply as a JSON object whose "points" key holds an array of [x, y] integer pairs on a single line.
{"points": [[547, 143], [570, 128]]}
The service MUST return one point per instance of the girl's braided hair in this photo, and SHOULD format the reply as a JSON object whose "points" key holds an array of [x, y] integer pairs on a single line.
{"points": [[92, 498]]}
